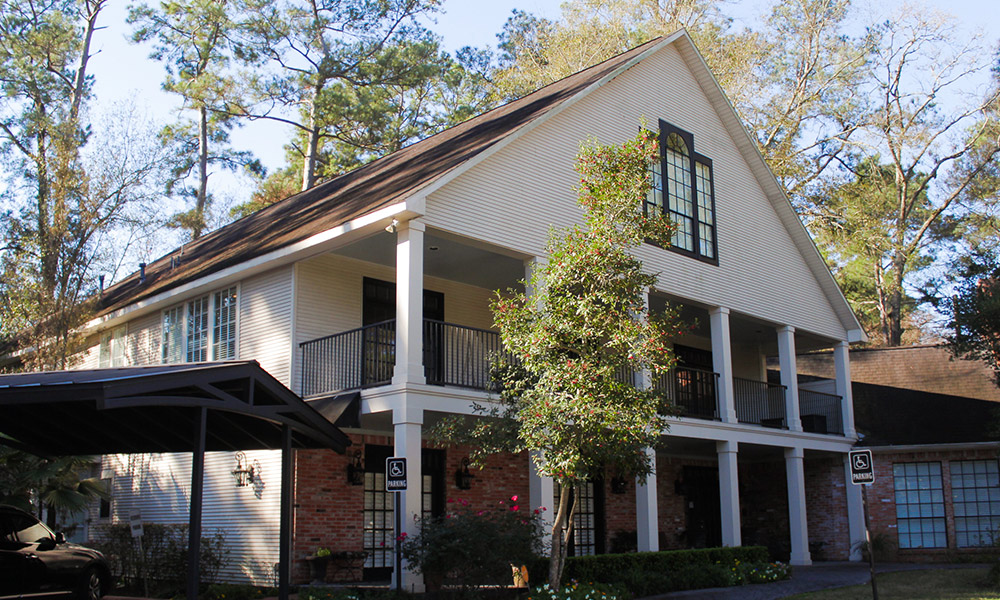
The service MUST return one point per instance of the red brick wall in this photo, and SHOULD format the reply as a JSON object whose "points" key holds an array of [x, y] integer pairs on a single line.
{"points": [[764, 506], [826, 508]]}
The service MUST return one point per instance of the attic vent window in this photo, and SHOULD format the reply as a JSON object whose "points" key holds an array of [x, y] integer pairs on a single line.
{"points": [[683, 190]]}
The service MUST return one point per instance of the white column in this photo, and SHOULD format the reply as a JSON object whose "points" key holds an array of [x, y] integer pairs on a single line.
{"points": [[798, 528], [542, 497], [409, 303], [855, 513], [406, 423], [729, 492], [789, 377], [647, 514], [722, 362], [842, 364]]}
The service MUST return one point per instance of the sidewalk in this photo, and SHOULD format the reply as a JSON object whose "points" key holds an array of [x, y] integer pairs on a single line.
{"points": [[820, 576]]}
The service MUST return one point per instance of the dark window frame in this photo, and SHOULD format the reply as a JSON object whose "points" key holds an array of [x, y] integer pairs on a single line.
{"points": [[697, 224]]}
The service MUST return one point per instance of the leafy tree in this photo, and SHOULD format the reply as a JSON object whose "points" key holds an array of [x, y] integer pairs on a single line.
{"points": [[197, 39], [32, 483], [343, 70], [63, 200], [974, 308], [570, 395], [920, 164]]}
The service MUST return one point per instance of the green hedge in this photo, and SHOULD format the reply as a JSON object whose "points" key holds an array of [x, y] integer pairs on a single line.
{"points": [[685, 569]]}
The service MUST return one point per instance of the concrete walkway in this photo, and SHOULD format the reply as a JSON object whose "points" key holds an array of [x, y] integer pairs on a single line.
{"points": [[820, 576]]}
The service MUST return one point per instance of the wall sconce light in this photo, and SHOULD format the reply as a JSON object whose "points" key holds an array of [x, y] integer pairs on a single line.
{"points": [[618, 484], [356, 469], [463, 479], [246, 472]]}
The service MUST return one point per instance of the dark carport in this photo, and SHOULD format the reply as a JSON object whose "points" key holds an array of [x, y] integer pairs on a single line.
{"points": [[192, 407]]}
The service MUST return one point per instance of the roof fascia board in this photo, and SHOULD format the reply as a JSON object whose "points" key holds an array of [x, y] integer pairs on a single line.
{"points": [[410, 208], [949, 447], [445, 178], [772, 188]]}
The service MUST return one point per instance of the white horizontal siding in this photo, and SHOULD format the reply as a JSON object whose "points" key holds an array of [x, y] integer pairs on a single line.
{"points": [[513, 198], [265, 322], [143, 340], [158, 486]]}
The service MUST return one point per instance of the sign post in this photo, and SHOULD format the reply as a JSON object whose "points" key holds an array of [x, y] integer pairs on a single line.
{"points": [[135, 524], [863, 474], [395, 481]]}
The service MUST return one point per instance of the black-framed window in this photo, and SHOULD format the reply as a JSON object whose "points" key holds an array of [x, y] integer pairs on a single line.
{"points": [[920, 519], [684, 190], [975, 490]]}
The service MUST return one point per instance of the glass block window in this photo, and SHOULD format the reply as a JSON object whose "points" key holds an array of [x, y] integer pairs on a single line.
{"points": [[224, 325], [919, 493], [975, 492], [197, 330]]}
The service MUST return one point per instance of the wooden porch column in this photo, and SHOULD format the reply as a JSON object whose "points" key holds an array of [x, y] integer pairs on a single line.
{"points": [[729, 492], [409, 303], [789, 378], [407, 421], [842, 364], [797, 525], [647, 511], [722, 362], [855, 513]]}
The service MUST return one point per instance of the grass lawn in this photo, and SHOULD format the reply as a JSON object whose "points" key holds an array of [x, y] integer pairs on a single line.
{"points": [[937, 584]]}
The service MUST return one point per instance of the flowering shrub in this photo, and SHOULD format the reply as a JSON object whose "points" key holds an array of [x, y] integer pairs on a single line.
{"points": [[579, 591], [766, 572], [470, 547]]}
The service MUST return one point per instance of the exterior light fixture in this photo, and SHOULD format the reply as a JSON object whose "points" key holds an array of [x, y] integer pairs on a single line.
{"points": [[356, 469], [463, 479], [246, 472], [618, 484]]}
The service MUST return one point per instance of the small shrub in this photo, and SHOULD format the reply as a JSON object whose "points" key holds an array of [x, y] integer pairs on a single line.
{"points": [[579, 591], [766, 572], [328, 593], [237, 591], [993, 577], [642, 583]]}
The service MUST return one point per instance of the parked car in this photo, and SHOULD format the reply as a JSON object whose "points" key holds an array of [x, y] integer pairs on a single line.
{"points": [[34, 560]]}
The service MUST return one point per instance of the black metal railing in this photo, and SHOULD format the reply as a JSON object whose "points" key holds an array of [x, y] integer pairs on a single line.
{"points": [[359, 358], [693, 392], [364, 357], [459, 355], [820, 412], [759, 403]]}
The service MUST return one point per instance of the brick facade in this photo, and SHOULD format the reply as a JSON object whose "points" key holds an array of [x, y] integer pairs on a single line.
{"points": [[882, 505]]}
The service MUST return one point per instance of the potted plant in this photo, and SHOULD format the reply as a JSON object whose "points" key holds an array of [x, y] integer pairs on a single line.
{"points": [[318, 563]]}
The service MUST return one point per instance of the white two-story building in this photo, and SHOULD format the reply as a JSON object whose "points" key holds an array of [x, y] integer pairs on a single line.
{"points": [[368, 296]]}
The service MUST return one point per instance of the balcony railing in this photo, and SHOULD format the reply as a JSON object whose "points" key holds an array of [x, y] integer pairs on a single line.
{"points": [[694, 392], [820, 412], [760, 403], [364, 357]]}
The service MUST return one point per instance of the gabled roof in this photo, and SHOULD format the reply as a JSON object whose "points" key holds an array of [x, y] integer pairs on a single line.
{"points": [[380, 183], [430, 163]]}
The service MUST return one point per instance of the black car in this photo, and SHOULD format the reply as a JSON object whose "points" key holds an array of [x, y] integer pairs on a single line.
{"points": [[34, 561]]}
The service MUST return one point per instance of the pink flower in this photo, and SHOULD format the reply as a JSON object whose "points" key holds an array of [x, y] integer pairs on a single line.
{"points": [[513, 498], [515, 507]]}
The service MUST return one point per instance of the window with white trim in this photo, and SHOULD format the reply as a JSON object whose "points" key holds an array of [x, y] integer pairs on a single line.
{"points": [[201, 329], [920, 519], [975, 490], [112, 348], [683, 190]]}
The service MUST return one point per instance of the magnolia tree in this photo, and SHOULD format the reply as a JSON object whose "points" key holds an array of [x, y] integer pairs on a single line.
{"points": [[579, 342]]}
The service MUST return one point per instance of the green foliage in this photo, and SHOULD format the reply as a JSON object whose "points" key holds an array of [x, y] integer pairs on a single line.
{"points": [[974, 310], [579, 591], [237, 591], [159, 564], [27, 480], [471, 547]]}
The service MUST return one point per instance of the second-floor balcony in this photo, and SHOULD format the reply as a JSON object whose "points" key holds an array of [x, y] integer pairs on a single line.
{"points": [[460, 356]]}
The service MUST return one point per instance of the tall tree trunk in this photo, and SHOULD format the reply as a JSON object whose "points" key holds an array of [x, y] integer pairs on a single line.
{"points": [[198, 224]]}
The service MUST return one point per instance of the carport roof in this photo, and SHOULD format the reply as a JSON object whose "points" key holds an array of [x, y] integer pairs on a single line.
{"points": [[157, 409]]}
